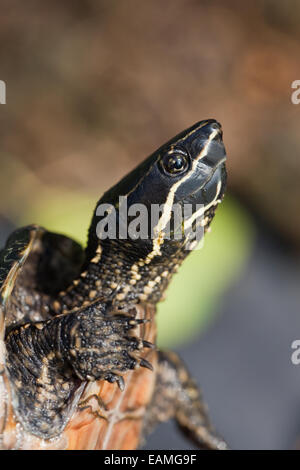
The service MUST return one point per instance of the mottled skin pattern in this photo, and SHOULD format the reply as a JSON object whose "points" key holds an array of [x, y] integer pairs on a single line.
{"points": [[45, 351], [71, 318], [178, 396]]}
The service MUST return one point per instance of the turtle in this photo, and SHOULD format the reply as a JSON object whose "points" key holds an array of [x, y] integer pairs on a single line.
{"points": [[79, 365]]}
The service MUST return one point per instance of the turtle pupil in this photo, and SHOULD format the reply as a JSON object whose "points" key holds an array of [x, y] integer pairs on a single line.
{"points": [[175, 163]]}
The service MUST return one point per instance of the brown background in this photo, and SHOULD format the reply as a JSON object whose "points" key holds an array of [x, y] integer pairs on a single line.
{"points": [[94, 86]]}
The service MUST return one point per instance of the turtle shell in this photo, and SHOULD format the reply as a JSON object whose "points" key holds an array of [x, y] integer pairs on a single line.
{"points": [[100, 416]]}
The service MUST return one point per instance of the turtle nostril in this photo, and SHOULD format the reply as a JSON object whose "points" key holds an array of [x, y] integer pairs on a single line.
{"points": [[215, 126]]}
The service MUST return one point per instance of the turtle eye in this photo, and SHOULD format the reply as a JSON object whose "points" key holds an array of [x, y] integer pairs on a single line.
{"points": [[175, 163]]}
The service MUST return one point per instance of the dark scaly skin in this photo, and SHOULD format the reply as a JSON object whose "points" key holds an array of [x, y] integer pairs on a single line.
{"points": [[178, 396], [45, 351], [85, 334]]}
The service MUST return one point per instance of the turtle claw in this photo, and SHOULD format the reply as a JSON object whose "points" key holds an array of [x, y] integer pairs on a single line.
{"points": [[147, 344], [146, 364], [137, 321], [121, 383], [115, 377]]}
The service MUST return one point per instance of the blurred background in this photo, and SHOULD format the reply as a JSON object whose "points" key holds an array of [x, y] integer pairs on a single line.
{"points": [[95, 86]]}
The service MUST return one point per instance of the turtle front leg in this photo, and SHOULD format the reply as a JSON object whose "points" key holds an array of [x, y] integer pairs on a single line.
{"points": [[47, 362], [98, 342], [177, 396]]}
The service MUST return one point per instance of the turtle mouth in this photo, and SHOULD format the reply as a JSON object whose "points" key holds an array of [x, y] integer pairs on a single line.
{"points": [[208, 197], [212, 191], [218, 180]]}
